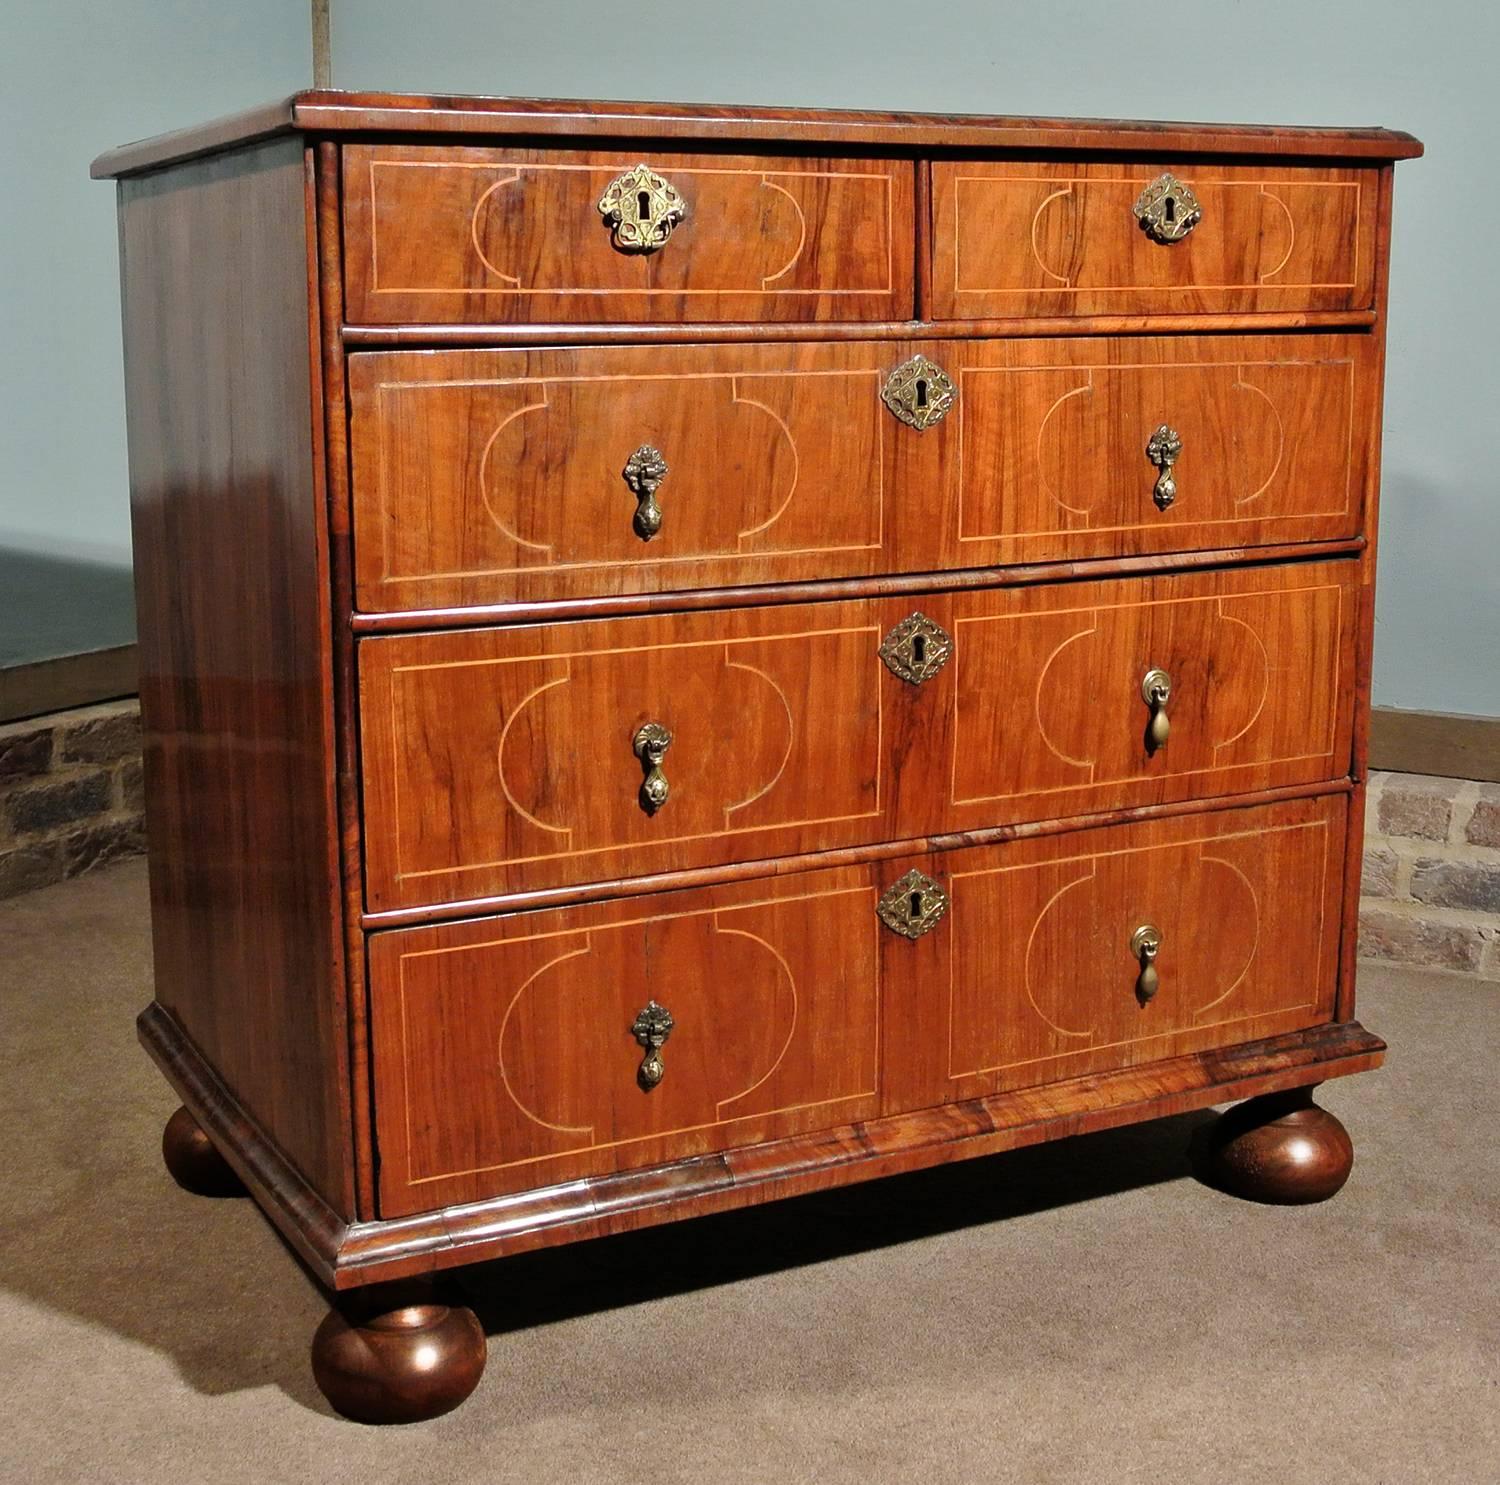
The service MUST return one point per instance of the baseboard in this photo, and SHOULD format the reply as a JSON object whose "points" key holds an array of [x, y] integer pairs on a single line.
{"points": [[1442, 743], [42, 687]]}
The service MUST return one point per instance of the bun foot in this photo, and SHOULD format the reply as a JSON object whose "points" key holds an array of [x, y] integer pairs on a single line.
{"points": [[1280, 1148], [193, 1161], [398, 1365]]}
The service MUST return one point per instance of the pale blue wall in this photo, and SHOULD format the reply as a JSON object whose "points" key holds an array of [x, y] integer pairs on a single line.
{"points": [[77, 76], [1429, 68]]}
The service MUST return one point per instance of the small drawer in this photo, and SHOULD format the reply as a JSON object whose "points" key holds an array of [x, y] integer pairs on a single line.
{"points": [[510, 1052], [502, 476], [463, 235], [511, 759], [1018, 239]]}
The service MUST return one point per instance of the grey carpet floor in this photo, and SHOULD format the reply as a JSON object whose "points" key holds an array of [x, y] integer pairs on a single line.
{"points": [[1080, 1312]]}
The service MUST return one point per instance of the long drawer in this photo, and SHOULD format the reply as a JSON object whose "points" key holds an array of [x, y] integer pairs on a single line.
{"points": [[493, 476], [1148, 237], [503, 235], [509, 759], [512, 1052]]}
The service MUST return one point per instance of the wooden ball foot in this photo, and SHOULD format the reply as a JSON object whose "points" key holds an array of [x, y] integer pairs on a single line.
{"points": [[193, 1161], [398, 1365], [1280, 1148]]}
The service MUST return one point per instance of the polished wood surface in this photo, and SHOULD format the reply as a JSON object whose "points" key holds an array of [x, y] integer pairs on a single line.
{"points": [[608, 888], [494, 477], [501, 760], [331, 111], [1062, 238], [403, 1364], [504, 1052], [505, 1057], [348, 1256], [235, 633], [1280, 1148], [481, 234]]}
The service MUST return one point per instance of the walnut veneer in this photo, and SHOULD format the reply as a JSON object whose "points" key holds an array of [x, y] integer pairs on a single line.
{"points": [[1009, 708]]}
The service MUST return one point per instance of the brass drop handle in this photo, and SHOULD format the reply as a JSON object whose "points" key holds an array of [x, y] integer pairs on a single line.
{"points": [[641, 210], [1145, 945], [1167, 210], [1156, 691], [643, 473], [651, 1028], [1163, 450], [650, 745]]}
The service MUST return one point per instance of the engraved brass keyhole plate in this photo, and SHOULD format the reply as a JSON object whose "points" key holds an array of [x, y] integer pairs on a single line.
{"points": [[916, 649], [641, 210], [651, 1028], [919, 392], [1167, 209], [913, 906], [1163, 450]]}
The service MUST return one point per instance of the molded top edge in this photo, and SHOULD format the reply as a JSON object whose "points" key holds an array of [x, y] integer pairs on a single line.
{"points": [[327, 111]]}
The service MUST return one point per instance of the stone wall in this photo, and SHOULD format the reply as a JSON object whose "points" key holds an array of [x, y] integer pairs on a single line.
{"points": [[1432, 873], [70, 794]]}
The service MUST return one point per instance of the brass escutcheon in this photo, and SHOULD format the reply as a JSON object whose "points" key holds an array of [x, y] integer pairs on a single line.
{"points": [[1156, 691], [916, 649], [913, 906], [651, 1028], [1163, 451], [1167, 209], [919, 392], [643, 472], [1145, 945], [641, 209], [650, 745]]}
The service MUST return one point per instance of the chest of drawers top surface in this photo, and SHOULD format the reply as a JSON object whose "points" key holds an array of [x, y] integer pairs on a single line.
{"points": [[880, 603]]}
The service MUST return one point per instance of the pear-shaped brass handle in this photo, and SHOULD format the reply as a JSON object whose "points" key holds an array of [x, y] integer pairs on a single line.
{"points": [[1145, 945], [650, 745], [643, 472], [1163, 451], [651, 1028], [1156, 691]]}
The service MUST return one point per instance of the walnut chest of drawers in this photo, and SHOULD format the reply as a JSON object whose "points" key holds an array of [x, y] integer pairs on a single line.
{"points": [[694, 655]]}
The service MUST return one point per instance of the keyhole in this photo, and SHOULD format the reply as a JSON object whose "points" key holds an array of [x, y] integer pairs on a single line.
{"points": [[1169, 206], [916, 905], [919, 648], [643, 206], [921, 391]]}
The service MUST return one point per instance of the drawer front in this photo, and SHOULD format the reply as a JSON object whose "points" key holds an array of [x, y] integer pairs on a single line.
{"points": [[1034, 976], [1019, 239], [499, 476], [505, 1059], [461, 235], [505, 760], [504, 1056]]}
